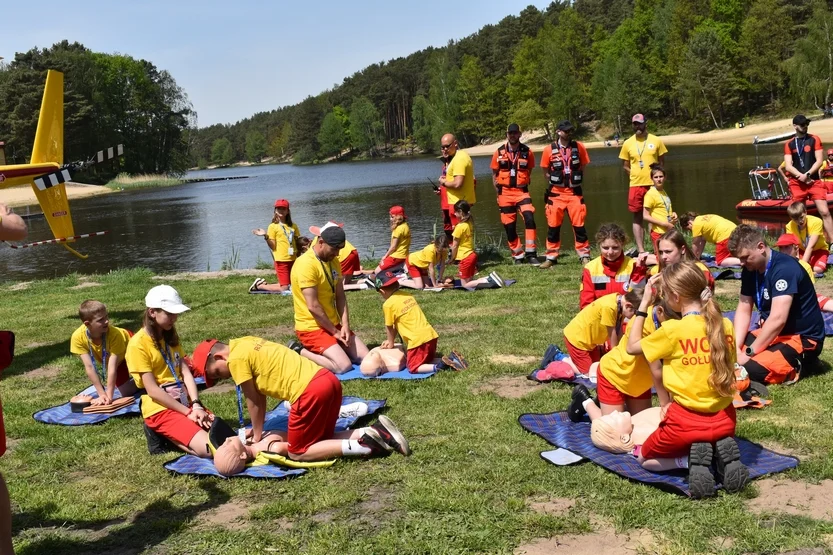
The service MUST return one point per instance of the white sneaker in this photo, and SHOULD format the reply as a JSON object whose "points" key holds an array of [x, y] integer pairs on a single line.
{"points": [[497, 279], [353, 410], [255, 284]]}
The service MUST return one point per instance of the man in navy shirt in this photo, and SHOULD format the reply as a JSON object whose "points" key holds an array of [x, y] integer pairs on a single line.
{"points": [[793, 329]]}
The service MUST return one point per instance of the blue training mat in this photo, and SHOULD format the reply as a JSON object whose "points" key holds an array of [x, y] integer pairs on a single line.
{"points": [[282, 293], [276, 419], [558, 430], [753, 324], [356, 374], [63, 415]]}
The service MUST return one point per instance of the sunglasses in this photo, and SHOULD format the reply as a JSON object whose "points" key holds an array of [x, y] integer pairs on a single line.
{"points": [[446, 147]]}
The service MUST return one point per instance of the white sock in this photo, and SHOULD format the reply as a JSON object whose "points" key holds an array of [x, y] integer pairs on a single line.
{"points": [[352, 448], [681, 462], [586, 403]]}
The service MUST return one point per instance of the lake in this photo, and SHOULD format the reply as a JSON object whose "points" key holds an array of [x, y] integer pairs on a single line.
{"points": [[199, 226]]}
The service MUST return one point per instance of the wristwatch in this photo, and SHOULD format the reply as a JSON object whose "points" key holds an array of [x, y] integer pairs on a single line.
{"points": [[749, 351], [640, 313]]}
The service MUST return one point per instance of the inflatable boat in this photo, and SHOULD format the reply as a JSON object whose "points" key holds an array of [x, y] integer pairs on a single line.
{"points": [[770, 196]]}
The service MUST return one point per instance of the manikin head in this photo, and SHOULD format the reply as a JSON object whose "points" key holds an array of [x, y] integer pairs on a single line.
{"points": [[612, 432], [231, 457]]}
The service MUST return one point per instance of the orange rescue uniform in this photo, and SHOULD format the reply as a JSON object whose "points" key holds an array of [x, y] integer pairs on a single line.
{"points": [[564, 169], [512, 169]]}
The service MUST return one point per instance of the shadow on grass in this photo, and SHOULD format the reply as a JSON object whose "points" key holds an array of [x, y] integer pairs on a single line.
{"points": [[37, 357], [149, 528]]}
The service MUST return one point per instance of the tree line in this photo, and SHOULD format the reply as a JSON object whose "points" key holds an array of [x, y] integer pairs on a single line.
{"points": [[698, 63], [109, 99]]}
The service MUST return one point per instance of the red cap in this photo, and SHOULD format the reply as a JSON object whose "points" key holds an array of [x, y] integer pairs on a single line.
{"points": [[397, 211], [638, 118], [316, 230], [200, 358], [556, 370], [281, 203], [787, 240]]}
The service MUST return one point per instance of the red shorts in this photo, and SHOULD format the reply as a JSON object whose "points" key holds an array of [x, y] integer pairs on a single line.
{"points": [[389, 262], [636, 198], [609, 395], [2, 432], [818, 258], [581, 358], [351, 264], [417, 272], [815, 190], [173, 425], [721, 251], [282, 270], [467, 267], [422, 354], [122, 374], [822, 300], [683, 426], [655, 240], [314, 414], [319, 340]]}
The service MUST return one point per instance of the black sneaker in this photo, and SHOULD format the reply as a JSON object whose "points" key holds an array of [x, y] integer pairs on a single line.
{"points": [[519, 260], [391, 435], [730, 471], [532, 259], [700, 477], [373, 441], [576, 410], [633, 252], [295, 345], [157, 444]]}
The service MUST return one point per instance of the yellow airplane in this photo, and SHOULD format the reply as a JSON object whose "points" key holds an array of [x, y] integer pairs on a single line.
{"points": [[46, 171]]}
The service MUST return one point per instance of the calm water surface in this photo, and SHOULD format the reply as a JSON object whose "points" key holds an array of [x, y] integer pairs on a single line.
{"points": [[198, 226]]}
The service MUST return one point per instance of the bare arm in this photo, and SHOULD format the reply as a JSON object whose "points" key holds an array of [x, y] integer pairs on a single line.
{"points": [[789, 169], [808, 250], [394, 242], [390, 339], [256, 404], [773, 325], [455, 183], [646, 215], [743, 316], [454, 246], [697, 246], [626, 165], [113, 362], [612, 336], [160, 396], [92, 375], [317, 311], [662, 393], [12, 226], [819, 161], [341, 306]]}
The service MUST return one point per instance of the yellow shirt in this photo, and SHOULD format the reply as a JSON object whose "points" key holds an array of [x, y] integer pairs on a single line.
{"points": [[309, 271], [683, 346], [144, 356], [425, 258], [648, 152], [809, 270], [284, 237], [117, 338], [630, 374], [278, 371], [658, 205], [813, 226], [403, 313], [345, 252], [464, 233], [403, 233], [712, 228], [589, 328], [461, 164]]}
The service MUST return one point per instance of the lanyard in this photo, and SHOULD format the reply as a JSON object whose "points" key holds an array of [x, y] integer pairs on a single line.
{"points": [[103, 373], [656, 320], [692, 313], [513, 161], [289, 236], [666, 200], [565, 153], [644, 144], [805, 231], [798, 151], [166, 354], [241, 431], [328, 275], [759, 287]]}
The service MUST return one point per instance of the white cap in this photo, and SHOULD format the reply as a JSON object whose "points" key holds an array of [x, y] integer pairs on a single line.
{"points": [[166, 298]]}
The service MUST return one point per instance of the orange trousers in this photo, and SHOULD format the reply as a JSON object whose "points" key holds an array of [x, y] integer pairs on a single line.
{"points": [[511, 201], [557, 204]]}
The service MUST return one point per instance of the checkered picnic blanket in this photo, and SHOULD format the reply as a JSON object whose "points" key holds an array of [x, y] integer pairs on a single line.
{"points": [[63, 415]]}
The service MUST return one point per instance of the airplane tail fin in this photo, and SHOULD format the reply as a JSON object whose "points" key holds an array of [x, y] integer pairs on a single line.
{"points": [[49, 148]]}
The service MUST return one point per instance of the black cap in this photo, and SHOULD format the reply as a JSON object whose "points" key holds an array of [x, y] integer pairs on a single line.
{"points": [[386, 278], [565, 125], [513, 128], [334, 236], [801, 119]]}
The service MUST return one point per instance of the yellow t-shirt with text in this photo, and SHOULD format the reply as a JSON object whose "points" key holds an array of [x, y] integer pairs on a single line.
{"points": [[589, 328], [425, 258], [278, 371], [284, 237], [403, 233], [144, 356], [464, 234], [403, 313], [648, 152], [658, 205], [309, 271], [461, 164], [630, 374], [683, 346], [813, 226], [116, 339], [712, 228]]}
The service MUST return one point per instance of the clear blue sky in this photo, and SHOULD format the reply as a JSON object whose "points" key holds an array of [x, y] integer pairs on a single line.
{"points": [[236, 58]]}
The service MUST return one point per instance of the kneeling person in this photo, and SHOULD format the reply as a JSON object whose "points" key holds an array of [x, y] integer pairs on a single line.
{"points": [[264, 369]]}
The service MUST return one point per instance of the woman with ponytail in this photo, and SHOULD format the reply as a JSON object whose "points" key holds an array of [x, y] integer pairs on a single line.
{"points": [[698, 354]]}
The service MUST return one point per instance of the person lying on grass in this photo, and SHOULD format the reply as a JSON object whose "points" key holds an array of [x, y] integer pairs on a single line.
{"points": [[101, 347], [403, 316], [262, 369]]}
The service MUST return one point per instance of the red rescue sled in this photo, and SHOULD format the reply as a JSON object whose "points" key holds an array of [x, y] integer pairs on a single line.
{"points": [[770, 196]]}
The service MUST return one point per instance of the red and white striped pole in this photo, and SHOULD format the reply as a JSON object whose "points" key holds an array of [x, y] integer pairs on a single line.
{"points": [[54, 241]]}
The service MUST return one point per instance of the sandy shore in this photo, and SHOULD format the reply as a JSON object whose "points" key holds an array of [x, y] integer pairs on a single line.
{"points": [[25, 196], [821, 127]]}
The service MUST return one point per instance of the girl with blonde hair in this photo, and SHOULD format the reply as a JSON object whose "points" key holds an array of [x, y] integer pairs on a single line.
{"points": [[698, 355]]}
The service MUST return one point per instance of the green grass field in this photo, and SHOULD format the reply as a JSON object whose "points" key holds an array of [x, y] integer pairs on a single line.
{"points": [[475, 482]]}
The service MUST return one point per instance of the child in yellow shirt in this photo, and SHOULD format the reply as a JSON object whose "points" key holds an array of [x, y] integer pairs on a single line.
{"points": [[462, 250], [101, 348], [421, 264], [788, 244], [400, 241], [657, 210], [262, 369], [812, 245], [283, 239], [404, 316]]}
